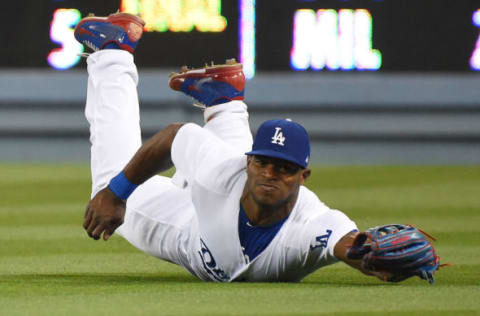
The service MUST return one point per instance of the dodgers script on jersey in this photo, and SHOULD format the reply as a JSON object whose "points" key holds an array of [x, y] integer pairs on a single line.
{"points": [[216, 174]]}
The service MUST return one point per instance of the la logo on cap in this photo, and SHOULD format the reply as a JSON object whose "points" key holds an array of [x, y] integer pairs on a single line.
{"points": [[278, 138]]}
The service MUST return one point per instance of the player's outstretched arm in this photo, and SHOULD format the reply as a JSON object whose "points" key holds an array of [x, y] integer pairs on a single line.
{"points": [[106, 211]]}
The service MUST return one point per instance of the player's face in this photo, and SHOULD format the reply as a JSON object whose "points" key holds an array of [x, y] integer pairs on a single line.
{"points": [[273, 182]]}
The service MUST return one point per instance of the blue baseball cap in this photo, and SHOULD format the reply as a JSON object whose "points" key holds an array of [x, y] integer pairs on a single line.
{"points": [[283, 139]]}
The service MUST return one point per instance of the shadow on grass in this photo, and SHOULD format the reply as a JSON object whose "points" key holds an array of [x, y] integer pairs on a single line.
{"points": [[119, 278], [97, 278], [86, 279]]}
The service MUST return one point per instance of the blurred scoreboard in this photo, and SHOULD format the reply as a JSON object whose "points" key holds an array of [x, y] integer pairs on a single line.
{"points": [[274, 35]]}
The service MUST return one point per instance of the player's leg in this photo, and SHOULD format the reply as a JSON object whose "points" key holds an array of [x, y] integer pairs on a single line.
{"points": [[113, 113], [219, 89], [112, 102], [229, 121], [157, 212]]}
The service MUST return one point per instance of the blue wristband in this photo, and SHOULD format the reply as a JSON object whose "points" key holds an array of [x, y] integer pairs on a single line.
{"points": [[121, 186]]}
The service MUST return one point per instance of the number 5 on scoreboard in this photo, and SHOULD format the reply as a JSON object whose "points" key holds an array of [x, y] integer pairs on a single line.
{"points": [[61, 32]]}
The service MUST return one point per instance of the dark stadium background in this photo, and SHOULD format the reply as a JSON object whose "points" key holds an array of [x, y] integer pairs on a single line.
{"points": [[425, 35], [421, 106]]}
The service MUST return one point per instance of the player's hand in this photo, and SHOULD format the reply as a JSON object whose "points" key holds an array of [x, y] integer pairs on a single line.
{"points": [[341, 249], [104, 214]]}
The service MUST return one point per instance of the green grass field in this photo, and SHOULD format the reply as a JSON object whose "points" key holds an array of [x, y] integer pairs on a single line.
{"points": [[48, 265]]}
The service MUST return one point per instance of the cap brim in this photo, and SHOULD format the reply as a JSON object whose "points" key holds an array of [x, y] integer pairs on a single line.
{"points": [[275, 154]]}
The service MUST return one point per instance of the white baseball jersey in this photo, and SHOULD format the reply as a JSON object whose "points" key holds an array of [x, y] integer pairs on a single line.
{"points": [[216, 174]]}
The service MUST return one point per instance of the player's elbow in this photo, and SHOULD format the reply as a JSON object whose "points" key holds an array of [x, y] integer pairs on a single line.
{"points": [[167, 135], [173, 128]]}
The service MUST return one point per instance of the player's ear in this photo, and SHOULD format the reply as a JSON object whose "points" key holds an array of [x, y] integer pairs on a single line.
{"points": [[305, 173], [249, 159]]}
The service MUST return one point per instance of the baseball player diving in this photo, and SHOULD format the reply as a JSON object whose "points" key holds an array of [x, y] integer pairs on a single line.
{"points": [[236, 209]]}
